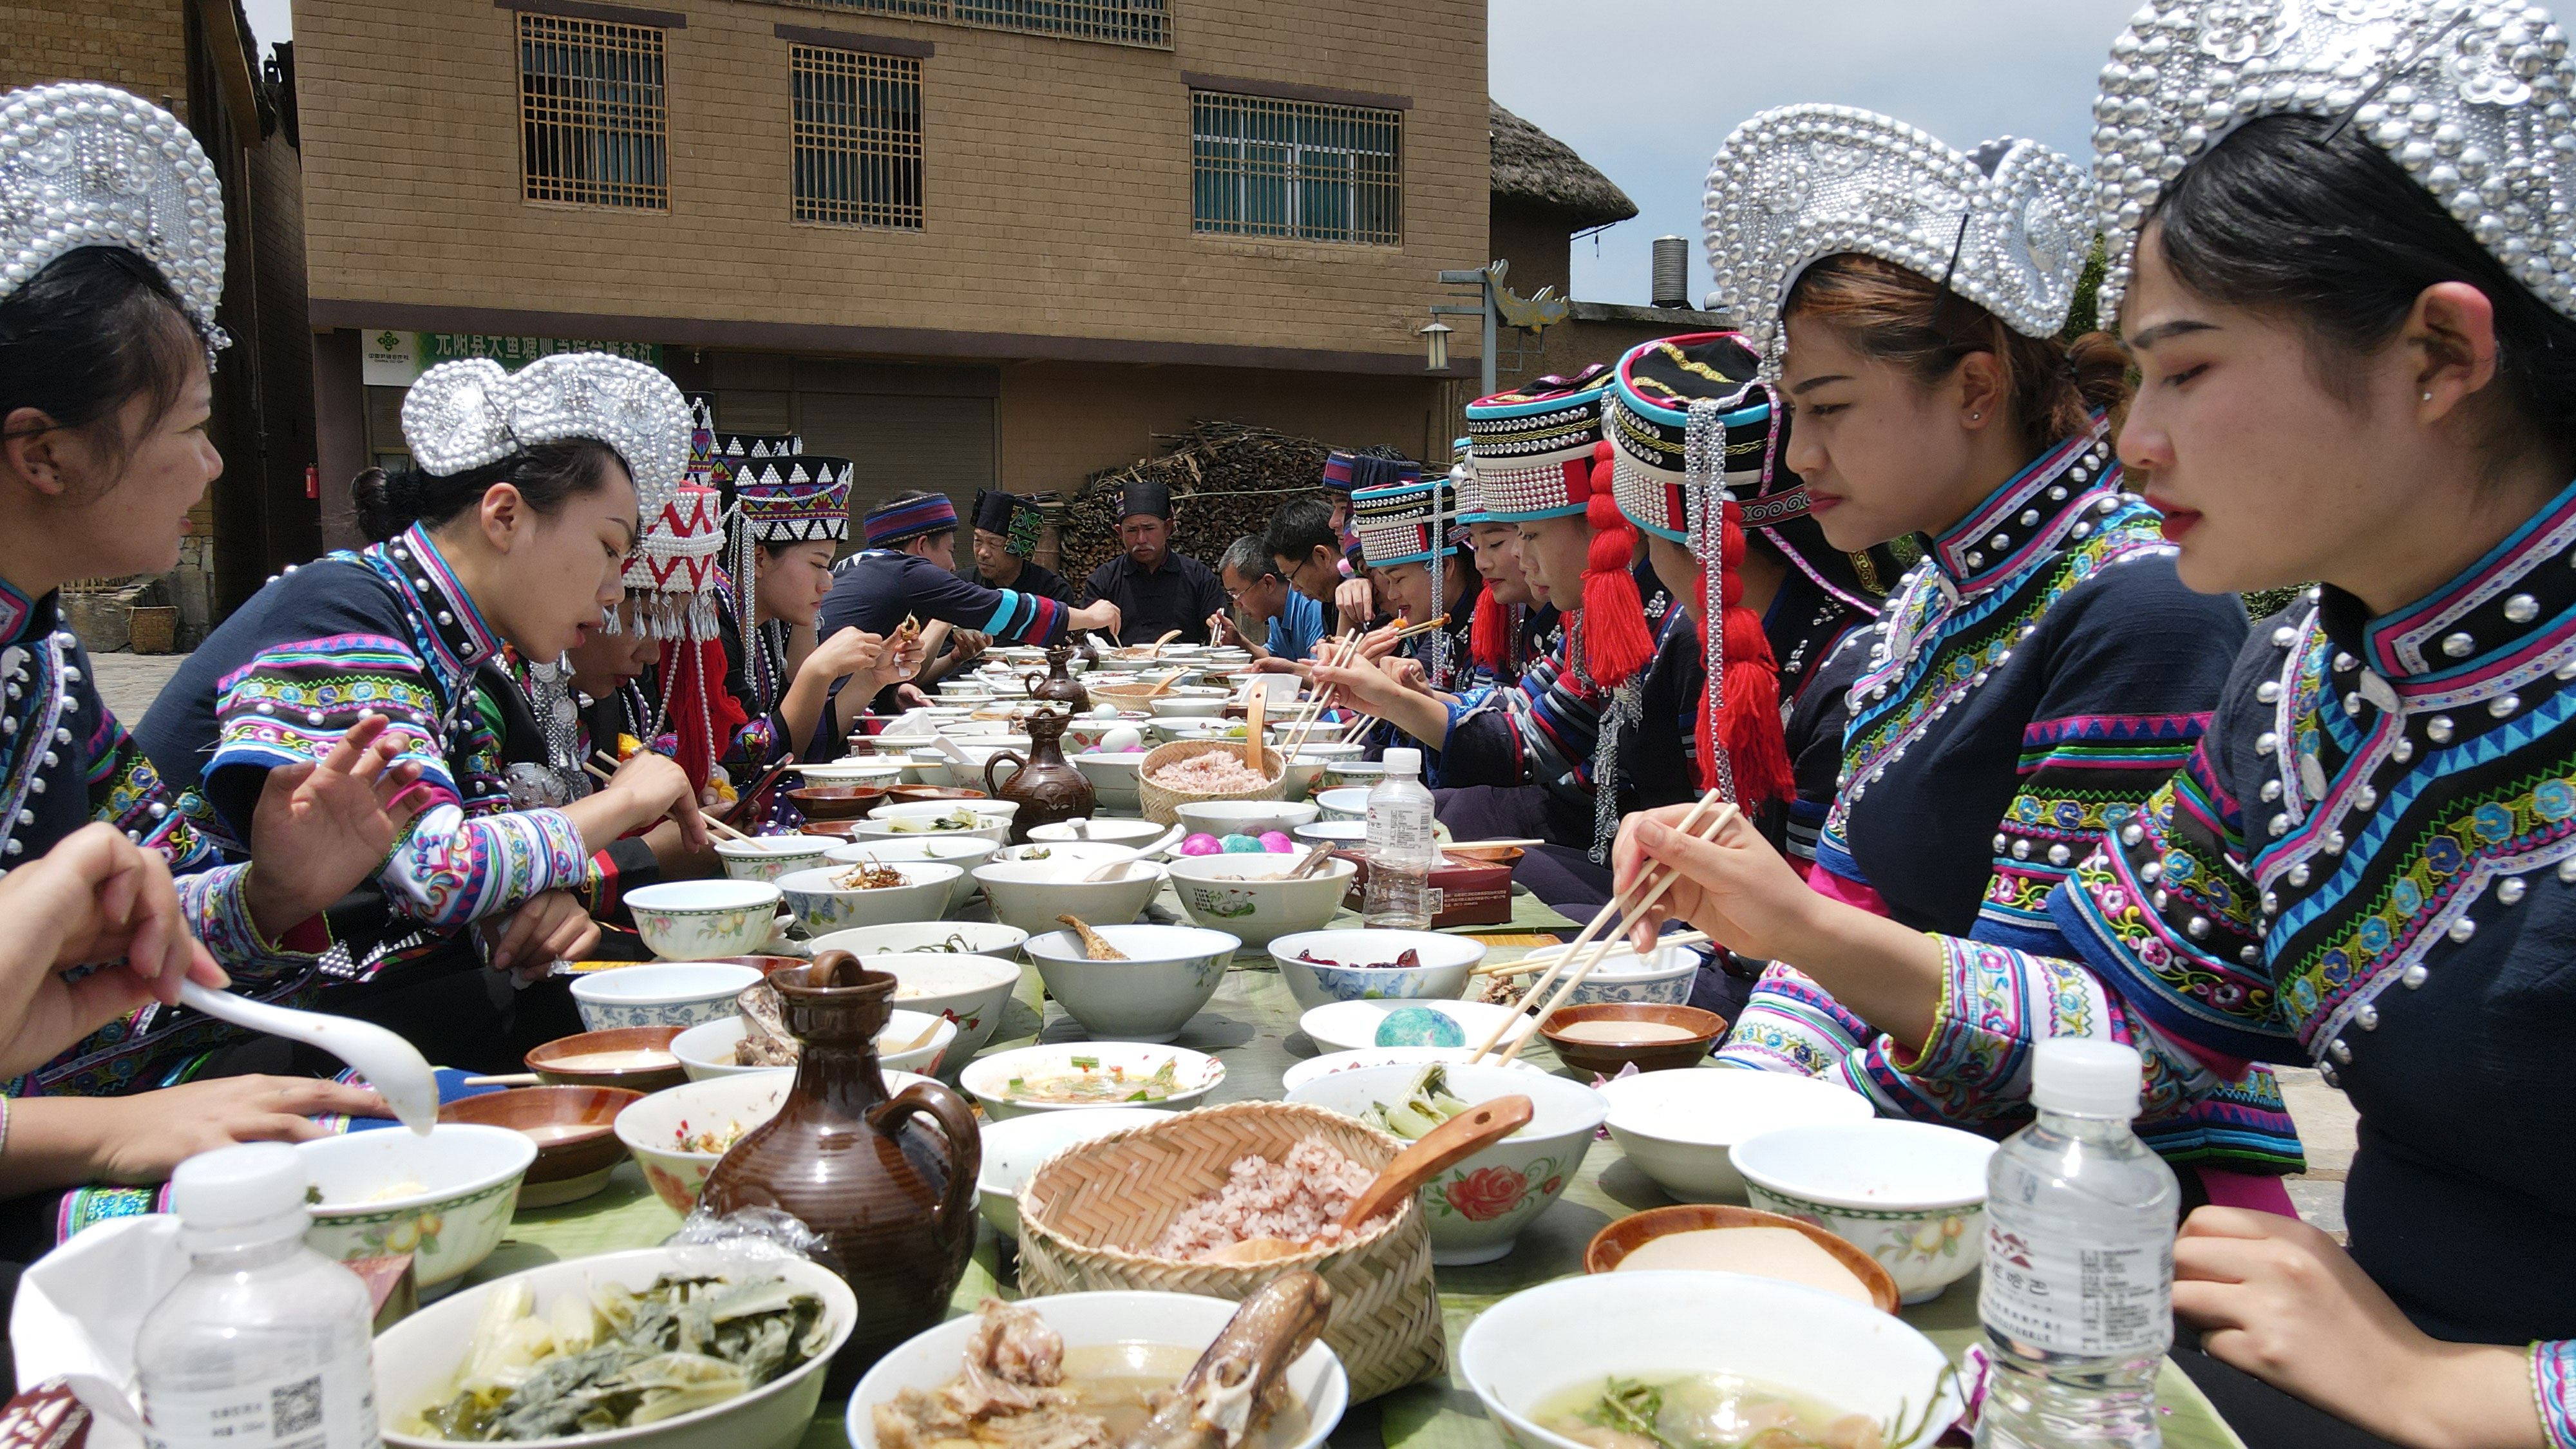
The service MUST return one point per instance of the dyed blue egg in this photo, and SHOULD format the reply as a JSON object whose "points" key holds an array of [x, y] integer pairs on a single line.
{"points": [[1242, 845], [1419, 1026]]}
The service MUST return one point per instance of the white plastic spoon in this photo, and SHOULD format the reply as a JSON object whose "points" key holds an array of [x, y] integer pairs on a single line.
{"points": [[394, 1067]]}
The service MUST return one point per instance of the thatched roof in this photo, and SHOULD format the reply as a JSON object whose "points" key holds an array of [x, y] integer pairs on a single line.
{"points": [[1533, 168]]}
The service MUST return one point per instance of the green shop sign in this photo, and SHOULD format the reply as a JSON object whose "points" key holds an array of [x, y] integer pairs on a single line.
{"points": [[394, 359]]}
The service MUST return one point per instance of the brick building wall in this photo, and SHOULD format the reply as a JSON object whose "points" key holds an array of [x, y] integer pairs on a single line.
{"points": [[1056, 178], [137, 44]]}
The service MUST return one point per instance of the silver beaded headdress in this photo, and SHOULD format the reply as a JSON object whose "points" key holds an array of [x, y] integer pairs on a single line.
{"points": [[2007, 228], [463, 415], [85, 165], [2470, 96]]}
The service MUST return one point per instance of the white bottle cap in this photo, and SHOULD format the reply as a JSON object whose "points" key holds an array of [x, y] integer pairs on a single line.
{"points": [[2085, 1078], [232, 1187], [1403, 762]]}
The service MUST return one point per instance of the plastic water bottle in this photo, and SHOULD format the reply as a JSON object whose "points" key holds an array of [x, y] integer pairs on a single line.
{"points": [[1401, 853], [2078, 1291], [266, 1344]]}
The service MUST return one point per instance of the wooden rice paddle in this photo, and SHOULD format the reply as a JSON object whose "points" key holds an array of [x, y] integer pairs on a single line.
{"points": [[1314, 861], [1159, 643], [1252, 734], [1617, 908], [1439, 1149], [1095, 947]]}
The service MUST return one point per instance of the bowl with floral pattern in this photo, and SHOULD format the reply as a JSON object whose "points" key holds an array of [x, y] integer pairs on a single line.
{"points": [[1912, 1195], [1479, 1207], [691, 920], [1366, 965], [836, 898], [446, 1198], [1659, 978], [660, 993], [767, 857], [678, 1135]]}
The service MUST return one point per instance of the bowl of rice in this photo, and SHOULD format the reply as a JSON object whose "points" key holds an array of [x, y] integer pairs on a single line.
{"points": [[1189, 771]]}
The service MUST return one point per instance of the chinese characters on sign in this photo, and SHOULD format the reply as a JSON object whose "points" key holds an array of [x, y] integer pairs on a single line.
{"points": [[395, 359]]}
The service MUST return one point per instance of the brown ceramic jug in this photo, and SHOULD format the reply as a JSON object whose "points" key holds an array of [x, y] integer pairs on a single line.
{"points": [[1048, 786], [1058, 684], [892, 1197]]}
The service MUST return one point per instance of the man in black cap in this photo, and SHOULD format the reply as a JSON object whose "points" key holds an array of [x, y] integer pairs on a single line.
{"points": [[1155, 589], [1006, 535]]}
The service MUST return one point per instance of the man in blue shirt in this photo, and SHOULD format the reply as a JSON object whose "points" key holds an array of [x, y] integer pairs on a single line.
{"points": [[1251, 578]]}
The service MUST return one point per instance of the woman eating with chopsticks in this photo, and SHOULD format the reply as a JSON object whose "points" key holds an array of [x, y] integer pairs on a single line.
{"points": [[2357, 356], [512, 527]]}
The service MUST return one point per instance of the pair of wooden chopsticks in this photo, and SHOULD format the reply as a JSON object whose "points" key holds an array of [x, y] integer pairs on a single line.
{"points": [[1347, 645], [714, 825], [1649, 889]]}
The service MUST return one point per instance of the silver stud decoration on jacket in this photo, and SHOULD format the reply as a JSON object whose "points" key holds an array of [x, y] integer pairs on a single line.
{"points": [[465, 415], [85, 165], [2471, 97], [1801, 183]]}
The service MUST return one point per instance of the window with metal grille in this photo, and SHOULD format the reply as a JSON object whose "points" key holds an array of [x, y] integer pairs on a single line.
{"points": [[1113, 22], [858, 137], [591, 114], [1299, 169]]}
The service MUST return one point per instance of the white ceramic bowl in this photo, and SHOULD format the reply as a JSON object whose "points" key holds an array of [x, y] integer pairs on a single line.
{"points": [[1191, 702], [1660, 978], [417, 1358], [822, 905], [1166, 729], [1347, 1026], [1244, 817], [660, 993], [1248, 895], [651, 1128], [1677, 1125], [1479, 1207], [1442, 976], [1030, 894], [1014, 1147], [1359, 775], [1910, 1194], [467, 1178], [691, 920], [1089, 854], [929, 765], [1315, 1381], [767, 857], [1099, 829], [989, 1078], [963, 852], [994, 828], [1344, 834], [933, 809], [856, 770], [1349, 802], [966, 938], [1170, 973], [1112, 777], [970, 991], [1542, 1342], [1333, 1063], [708, 1051]]}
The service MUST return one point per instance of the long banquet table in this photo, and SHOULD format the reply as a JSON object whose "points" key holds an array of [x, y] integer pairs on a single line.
{"points": [[1251, 1026]]}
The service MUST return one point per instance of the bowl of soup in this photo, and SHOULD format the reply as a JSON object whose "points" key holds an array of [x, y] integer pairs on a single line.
{"points": [[1716, 1237], [1071, 1075], [1609, 1035]]}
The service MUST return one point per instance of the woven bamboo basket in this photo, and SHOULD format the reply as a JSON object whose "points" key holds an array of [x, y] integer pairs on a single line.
{"points": [[1087, 1211], [1161, 805]]}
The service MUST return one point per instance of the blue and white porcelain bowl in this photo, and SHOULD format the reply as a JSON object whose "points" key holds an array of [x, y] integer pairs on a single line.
{"points": [[692, 920], [661, 993], [1662, 978], [964, 852], [823, 904], [1446, 960], [767, 857], [1168, 976], [1910, 1194]]}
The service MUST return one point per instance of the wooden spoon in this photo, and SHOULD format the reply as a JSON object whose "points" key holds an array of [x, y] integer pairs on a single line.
{"points": [[1159, 643], [1095, 947], [1316, 855], [1438, 1150], [1252, 733]]}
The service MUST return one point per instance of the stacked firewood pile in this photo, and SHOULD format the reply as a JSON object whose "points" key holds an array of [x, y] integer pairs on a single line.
{"points": [[1225, 478]]}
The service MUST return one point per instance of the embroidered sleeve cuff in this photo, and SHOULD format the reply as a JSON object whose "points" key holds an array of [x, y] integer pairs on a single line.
{"points": [[217, 907], [1790, 1024], [2553, 1389]]}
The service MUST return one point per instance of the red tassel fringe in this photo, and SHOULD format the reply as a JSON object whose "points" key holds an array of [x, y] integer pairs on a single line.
{"points": [[1749, 720], [1614, 618], [1489, 638]]}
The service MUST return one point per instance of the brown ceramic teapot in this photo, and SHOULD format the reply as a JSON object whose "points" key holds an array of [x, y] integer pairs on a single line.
{"points": [[893, 1197], [1058, 683], [1048, 786]]}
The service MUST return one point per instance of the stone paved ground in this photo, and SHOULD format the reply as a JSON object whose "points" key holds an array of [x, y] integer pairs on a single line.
{"points": [[130, 682]]}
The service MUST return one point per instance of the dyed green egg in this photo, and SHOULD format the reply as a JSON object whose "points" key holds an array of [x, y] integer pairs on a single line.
{"points": [[1242, 845], [1419, 1026]]}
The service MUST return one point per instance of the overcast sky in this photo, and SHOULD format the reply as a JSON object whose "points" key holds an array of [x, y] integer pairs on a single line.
{"points": [[1646, 89]]}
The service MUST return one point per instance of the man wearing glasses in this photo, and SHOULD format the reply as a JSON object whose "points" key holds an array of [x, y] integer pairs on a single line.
{"points": [[1251, 579]]}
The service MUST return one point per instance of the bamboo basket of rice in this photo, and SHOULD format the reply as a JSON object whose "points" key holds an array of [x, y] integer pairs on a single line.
{"points": [[1161, 802], [1088, 1213]]}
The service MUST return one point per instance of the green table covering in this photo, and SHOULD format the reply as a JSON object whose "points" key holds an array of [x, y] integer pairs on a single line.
{"points": [[1251, 1026]]}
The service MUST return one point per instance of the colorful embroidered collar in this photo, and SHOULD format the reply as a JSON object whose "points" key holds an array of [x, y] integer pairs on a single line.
{"points": [[18, 614], [451, 630], [2031, 514]]}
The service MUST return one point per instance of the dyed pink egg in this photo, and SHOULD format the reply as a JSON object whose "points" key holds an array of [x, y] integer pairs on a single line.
{"points": [[1277, 842], [1202, 844]]}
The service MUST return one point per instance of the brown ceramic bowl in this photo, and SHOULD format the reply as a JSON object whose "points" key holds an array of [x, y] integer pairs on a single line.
{"points": [[762, 964], [1607, 1057], [840, 830], [914, 794], [548, 1060], [1626, 1235], [575, 1132], [838, 802]]}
